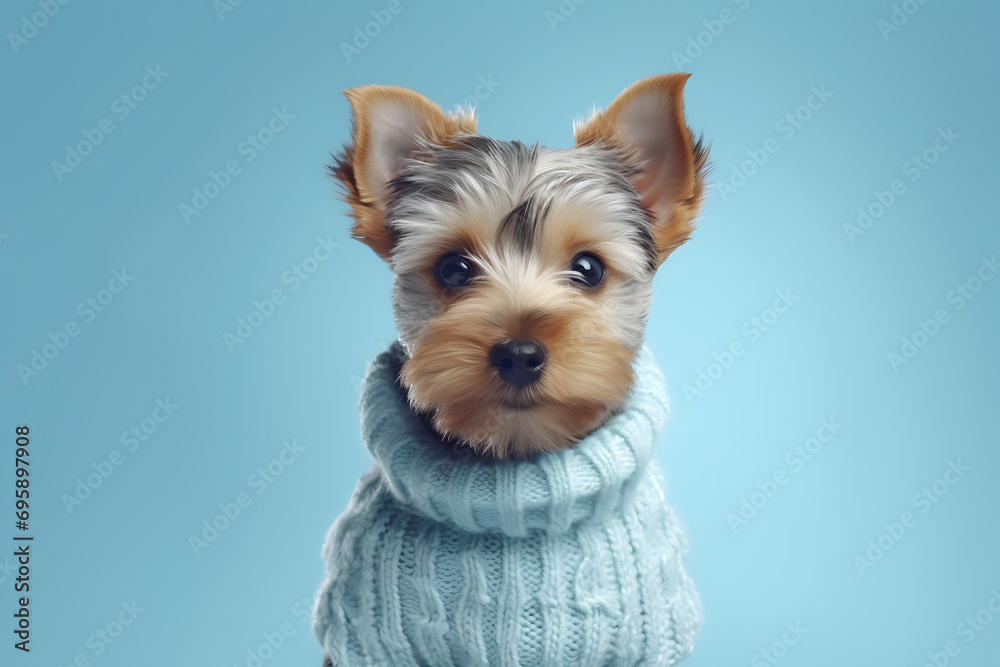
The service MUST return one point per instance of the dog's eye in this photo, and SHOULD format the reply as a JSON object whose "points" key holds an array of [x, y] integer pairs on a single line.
{"points": [[454, 271], [589, 270]]}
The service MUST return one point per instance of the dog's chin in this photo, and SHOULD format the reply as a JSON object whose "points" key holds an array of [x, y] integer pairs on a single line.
{"points": [[518, 403], [516, 428]]}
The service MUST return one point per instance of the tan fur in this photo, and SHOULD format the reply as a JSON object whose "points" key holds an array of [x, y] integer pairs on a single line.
{"points": [[449, 373], [588, 372], [686, 168], [571, 230], [365, 198], [525, 293]]}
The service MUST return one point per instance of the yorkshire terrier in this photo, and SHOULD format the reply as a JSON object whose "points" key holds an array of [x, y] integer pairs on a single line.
{"points": [[523, 274], [523, 284]]}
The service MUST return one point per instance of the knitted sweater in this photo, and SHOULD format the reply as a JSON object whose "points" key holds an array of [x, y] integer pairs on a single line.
{"points": [[569, 558]]}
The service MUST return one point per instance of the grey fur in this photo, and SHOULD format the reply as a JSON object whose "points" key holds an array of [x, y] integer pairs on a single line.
{"points": [[518, 186]]}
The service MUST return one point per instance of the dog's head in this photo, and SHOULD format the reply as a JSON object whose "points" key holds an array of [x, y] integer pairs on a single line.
{"points": [[523, 274]]}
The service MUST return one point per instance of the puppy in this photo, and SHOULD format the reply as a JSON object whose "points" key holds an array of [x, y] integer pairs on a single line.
{"points": [[523, 274], [523, 284]]}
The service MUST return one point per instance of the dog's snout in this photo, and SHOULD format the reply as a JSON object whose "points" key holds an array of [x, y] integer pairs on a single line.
{"points": [[519, 362]]}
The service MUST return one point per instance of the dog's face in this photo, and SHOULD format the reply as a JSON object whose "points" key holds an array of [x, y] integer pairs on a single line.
{"points": [[523, 275]]}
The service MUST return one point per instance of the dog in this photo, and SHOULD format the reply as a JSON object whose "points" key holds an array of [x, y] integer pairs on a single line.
{"points": [[522, 274]]}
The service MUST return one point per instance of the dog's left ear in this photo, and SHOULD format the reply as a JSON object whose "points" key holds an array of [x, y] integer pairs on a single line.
{"points": [[647, 120], [389, 124]]}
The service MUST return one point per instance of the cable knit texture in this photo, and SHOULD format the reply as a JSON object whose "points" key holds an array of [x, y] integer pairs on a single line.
{"points": [[569, 558]]}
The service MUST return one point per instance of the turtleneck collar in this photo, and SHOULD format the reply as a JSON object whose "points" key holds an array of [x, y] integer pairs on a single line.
{"points": [[550, 492]]}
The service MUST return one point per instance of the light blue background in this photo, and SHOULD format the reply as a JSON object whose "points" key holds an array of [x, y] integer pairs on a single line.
{"points": [[296, 376]]}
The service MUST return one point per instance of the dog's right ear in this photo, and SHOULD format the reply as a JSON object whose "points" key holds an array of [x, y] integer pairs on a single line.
{"points": [[648, 120], [389, 124]]}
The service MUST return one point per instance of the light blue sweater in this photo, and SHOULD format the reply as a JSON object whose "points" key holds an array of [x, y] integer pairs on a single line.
{"points": [[570, 558]]}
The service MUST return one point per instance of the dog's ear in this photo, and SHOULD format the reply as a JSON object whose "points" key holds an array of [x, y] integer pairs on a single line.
{"points": [[647, 121], [389, 123]]}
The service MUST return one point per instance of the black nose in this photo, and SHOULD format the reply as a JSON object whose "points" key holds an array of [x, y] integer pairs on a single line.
{"points": [[519, 362]]}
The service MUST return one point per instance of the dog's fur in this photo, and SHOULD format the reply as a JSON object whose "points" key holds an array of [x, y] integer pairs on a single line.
{"points": [[422, 184]]}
